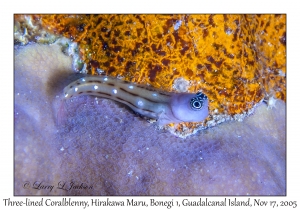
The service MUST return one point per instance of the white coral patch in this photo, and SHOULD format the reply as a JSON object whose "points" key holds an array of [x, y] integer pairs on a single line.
{"points": [[181, 85]]}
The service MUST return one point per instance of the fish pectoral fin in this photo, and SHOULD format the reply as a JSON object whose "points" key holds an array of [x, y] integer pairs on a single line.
{"points": [[166, 118]]}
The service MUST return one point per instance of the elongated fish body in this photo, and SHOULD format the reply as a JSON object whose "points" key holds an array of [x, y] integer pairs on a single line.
{"points": [[147, 101]]}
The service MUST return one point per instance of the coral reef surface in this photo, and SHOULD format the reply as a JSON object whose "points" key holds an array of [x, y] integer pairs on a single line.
{"points": [[236, 60]]}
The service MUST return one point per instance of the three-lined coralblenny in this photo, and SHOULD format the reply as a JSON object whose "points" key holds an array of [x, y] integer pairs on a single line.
{"points": [[163, 106]]}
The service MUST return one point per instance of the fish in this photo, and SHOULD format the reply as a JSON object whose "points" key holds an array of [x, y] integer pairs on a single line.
{"points": [[165, 107]]}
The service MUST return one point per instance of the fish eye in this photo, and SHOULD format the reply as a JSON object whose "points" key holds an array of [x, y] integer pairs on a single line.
{"points": [[197, 105], [198, 101]]}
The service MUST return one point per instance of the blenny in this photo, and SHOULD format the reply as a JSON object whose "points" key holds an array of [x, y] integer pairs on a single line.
{"points": [[164, 106]]}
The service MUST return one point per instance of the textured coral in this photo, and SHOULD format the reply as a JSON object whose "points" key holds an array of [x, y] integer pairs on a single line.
{"points": [[270, 45], [103, 144], [29, 29], [236, 60]]}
